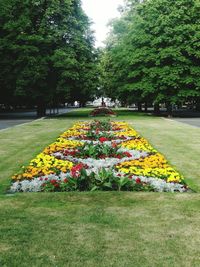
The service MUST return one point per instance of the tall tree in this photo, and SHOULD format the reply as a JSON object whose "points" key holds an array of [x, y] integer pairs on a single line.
{"points": [[159, 49], [46, 46]]}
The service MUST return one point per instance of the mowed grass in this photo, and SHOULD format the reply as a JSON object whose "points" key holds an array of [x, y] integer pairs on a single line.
{"points": [[100, 228]]}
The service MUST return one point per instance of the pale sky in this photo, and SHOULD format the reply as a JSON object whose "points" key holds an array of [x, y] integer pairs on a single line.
{"points": [[100, 12]]}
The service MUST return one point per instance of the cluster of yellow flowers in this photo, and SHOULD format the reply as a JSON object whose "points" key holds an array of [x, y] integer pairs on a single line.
{"points": [[138, 144], [61, 144], [71, 133], [120, 124], [126, 129], [43, 165], [152, 166], [80, 125], [128, 132]]}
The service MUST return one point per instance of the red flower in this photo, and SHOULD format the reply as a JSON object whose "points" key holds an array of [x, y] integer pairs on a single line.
{"points": [[65, 180], [103, 139], [53, 181], [127, 154], [138, 181], [79, 166], [75, 171], [73, 153]]}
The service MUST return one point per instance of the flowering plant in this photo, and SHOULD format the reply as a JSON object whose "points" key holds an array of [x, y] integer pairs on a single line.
{"points": [[102, 111], [100, 150], [99, 155], [105, 180]]}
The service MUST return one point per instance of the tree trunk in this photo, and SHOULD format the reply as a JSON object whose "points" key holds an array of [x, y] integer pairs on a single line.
{"points": [[146, 107], [198, 105], [82, 104], [156, 108], [41, 109], [169, 110], [139, 106]]}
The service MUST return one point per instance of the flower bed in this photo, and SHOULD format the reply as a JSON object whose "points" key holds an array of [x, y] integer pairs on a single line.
{"points": [[102, 111], [99, 155]]}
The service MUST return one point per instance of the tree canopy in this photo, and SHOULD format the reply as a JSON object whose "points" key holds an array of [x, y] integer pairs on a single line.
{"points": [[47, 52], [152, 53]]}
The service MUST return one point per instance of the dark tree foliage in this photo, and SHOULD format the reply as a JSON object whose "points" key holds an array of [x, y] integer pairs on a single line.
{"points": [[47, 53], [153, 52]]}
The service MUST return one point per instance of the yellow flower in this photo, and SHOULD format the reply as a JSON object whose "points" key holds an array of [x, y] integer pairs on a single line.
{"points": [[138, 144], [151, 166], [43, 165], [61, 144]]}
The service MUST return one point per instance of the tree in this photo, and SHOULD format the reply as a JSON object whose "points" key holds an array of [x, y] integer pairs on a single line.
{"points": [[46, 47], [158, 50]]}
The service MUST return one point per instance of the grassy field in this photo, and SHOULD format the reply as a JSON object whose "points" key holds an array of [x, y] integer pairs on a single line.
{"points": [[100, 228]]}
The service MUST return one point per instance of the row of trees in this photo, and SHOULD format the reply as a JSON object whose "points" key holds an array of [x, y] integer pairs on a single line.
{"points": [[47, 53], [153, 53]]}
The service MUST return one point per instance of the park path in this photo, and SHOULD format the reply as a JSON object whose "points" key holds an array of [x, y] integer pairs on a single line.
{"points": [[11, 119], [4, 124], [190, 121]]}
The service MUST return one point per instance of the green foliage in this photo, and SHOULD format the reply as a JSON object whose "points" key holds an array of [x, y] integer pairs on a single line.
{"points": [[46, 51], [153, 54], [103, 125], [105, 180], [101, 150]]}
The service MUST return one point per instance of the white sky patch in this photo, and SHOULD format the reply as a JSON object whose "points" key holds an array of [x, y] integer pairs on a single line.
{"points": [[101, 12]]}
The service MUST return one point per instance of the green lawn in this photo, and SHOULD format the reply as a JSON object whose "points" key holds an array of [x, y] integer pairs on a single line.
{"points": [[100, 228]]}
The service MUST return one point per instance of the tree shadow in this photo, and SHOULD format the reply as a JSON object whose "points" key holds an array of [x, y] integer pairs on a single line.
{"points": [[85, 114]]}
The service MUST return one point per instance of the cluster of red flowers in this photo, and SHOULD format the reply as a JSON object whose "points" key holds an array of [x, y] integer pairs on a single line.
{"points": [[102, 111], [122, 155], [103, 139], [137, 180], [55, 183], [75, 171], [67, 152]]}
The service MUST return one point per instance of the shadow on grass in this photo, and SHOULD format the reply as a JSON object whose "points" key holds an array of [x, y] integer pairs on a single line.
{"points": [[84, 113]]}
